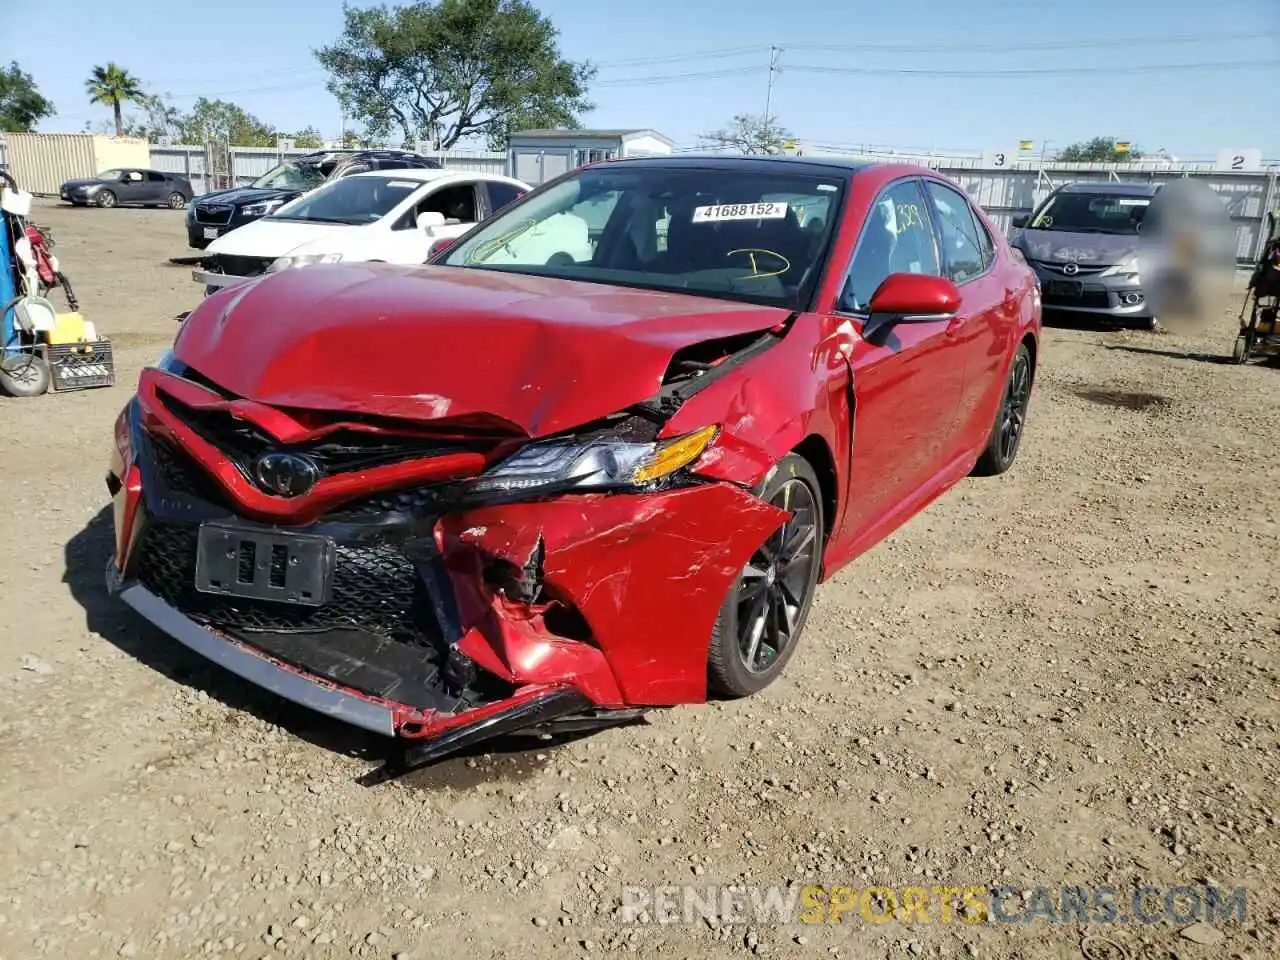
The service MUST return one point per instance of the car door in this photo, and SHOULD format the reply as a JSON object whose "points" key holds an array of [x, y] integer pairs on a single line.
{"points": [[458, 201], [404, 240], [156, 186], [907, 383], [132, 187], [988, 310]]}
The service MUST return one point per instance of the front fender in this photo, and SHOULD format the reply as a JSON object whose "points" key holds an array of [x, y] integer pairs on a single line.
{"points": [[770, 405]]}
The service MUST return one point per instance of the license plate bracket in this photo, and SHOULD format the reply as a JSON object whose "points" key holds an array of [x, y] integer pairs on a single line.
{"points": [[233, 560], [1066, 288], [211, 233]]}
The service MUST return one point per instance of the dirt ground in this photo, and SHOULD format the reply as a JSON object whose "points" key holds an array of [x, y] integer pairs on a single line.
{"points": [[1065, 675]]}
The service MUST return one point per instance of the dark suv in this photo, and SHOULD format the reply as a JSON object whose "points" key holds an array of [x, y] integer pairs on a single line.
{"points": [[213, 214]]}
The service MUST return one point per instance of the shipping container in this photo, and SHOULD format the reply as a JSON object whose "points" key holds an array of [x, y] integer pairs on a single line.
{"points": [[42, 162]]}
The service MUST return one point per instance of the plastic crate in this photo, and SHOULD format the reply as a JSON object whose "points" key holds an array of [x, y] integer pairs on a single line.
{"points": [[79, 366]]}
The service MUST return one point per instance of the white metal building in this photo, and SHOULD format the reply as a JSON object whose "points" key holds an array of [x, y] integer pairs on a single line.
{"points": [[536, 156]]}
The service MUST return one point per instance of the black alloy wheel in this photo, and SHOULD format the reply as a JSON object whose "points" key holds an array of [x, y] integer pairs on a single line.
{"points": [[1011, 419], [763, 616]]}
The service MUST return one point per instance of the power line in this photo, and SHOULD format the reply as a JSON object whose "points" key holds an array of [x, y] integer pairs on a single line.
{"points": [[677, 77], [1038, 71], [718, 54], [1015, 46]]}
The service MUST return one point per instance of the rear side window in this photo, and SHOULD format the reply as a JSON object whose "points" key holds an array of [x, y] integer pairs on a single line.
{"points": [[962, 252], [155, 177], [501, 194]]}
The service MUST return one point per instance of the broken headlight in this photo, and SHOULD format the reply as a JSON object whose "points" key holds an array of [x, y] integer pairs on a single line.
{"points": [[554, 465]]}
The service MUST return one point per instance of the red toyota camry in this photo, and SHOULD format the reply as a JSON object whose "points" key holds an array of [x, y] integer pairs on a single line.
{"points": [[594, 458]]}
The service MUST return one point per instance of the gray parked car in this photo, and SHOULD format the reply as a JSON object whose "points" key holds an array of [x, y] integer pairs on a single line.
{"points": [[129, 185], [1082, 242]]}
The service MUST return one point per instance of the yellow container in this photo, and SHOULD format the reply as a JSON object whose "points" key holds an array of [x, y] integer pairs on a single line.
{"points": [[68, 328]]}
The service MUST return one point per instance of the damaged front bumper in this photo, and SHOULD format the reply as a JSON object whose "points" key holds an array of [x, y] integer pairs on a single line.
{"points": [[447, 629]]}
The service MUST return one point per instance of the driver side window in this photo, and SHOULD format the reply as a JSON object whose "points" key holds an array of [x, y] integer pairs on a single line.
{"points": [[896, 238], [456, 204]]}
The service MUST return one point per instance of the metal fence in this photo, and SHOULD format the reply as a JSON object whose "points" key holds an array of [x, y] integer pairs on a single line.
{"points": [[1003, 193], [242, 165], [246, 164]]}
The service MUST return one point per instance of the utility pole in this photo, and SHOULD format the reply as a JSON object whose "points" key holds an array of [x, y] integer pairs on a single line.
{"points": [[774, 54]]}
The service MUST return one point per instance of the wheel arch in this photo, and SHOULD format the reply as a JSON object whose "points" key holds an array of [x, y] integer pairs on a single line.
{"points": [[815, 451], [1029, 341]]}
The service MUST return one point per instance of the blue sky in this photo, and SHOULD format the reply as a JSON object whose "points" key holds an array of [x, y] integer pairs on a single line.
{"points": [[258, 55]]}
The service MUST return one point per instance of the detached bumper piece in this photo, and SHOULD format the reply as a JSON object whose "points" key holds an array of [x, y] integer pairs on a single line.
{"points": [[522, 716]]}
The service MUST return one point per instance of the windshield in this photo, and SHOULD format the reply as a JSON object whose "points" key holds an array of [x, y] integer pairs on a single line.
{"points": [[290, 176], [111, 174], [730, 233], [352, 200], [1092, 213]]}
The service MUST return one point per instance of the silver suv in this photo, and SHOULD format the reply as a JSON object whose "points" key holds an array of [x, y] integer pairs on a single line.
{"points": [[1082, 242]]}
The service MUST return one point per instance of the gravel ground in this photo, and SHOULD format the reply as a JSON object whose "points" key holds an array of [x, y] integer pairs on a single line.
{"points": [[1065, 675]]}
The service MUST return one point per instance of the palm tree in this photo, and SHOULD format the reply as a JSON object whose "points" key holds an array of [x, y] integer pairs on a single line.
{"points": [[111, 86]]}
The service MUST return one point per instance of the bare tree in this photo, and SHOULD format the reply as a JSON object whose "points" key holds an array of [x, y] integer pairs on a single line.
{"points": [[749, 134]]}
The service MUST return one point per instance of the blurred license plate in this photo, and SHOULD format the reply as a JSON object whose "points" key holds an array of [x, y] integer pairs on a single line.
{"points": [[1065, 288], [211, 233]]}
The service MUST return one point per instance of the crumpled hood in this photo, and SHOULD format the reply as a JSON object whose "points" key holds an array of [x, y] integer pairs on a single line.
{"points": [[534, 354], [1059, 246]]}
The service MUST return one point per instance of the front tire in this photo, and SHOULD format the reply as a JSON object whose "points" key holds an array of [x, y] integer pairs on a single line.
{"points": [[762, 617], [1006, 433], [106, 198]]}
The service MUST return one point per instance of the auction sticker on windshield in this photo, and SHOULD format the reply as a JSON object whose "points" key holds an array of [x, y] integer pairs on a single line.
{"points": [[739, 211]]}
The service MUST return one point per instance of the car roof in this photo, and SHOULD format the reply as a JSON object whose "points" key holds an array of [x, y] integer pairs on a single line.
{"points": [[1111, 187], [718, 161], [420, 173]]}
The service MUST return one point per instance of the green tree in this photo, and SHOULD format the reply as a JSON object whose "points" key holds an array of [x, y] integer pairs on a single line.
{"points": [[308, 137], [111, 86], [454, 70], [21, 106], [159, 118], [222, 120], [1097, 150], [752, 135]]}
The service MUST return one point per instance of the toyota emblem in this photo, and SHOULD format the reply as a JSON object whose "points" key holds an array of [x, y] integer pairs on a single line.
{"points": [[1071, 269], [286, 474]]}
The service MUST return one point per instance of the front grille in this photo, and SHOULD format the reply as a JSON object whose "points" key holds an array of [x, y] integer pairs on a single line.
{"points": [[1083, 269], [213, 214], [1089, 299], [238, 266], [338, 452], [375, 588]]}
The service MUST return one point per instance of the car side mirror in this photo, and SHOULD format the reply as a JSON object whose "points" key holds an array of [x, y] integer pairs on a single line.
{"points": [[1020, 221], [910, 298], [428, 220]]}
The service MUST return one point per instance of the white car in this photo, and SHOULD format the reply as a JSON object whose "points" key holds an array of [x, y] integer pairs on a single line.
{"points": [[392, 216]]}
